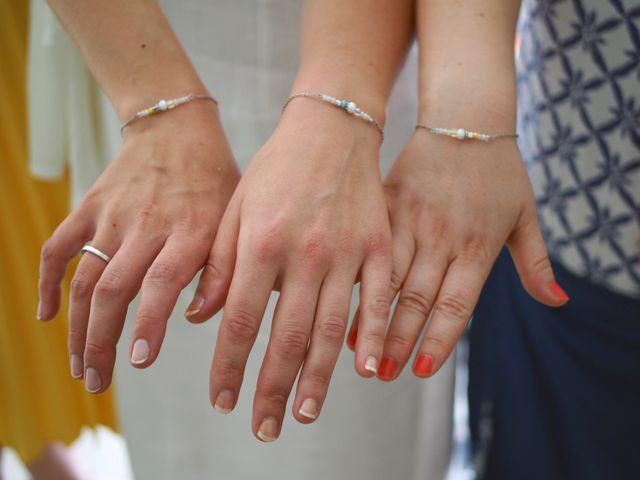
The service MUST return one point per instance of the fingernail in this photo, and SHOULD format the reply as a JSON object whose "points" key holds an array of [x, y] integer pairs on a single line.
{"points": [[140, 352], [388, 368], [76, 366], [92, 380], [39, 314], [423, 366], [558, 292], [224, 402], [195, 306], [309, 409], [371, 365], [268, 431], [353, 338]]}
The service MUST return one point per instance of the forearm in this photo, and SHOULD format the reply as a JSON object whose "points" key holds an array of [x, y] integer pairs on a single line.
{"points": [[131, 49], [467, 53], [354, 49]]}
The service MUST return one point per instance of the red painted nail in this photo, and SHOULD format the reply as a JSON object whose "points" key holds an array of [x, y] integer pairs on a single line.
{"points": [[558, 292], [423, 366], [351, 340], [387, 369]]}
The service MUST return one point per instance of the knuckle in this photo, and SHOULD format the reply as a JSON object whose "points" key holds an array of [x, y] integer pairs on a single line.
{"points": [[163, 273], [332, 328], [318, 378], [110, 286], [75, 339], [380, 306], [267, 248], [49, 250], [227, 369], [291, 344], [396, 281], [315, 249], [93, 349], [398, 341], [475, 250], [414, 301], [378, 243], [453, 306], [373, 338], [242, 325], [275, 396], [80, 285]]}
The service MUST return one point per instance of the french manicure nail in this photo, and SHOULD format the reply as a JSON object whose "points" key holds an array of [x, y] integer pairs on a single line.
{"points": [[423, 366], [224, 402], [388, 368], [140, 352], [268, 431], [309, 409], [76, 366], [558, 292], [39, 314], [195, 306], [92, 380], [371, 365], [352, 339]]}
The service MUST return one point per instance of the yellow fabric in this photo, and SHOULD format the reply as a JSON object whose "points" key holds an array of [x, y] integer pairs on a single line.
{"points": [[39, 401]]}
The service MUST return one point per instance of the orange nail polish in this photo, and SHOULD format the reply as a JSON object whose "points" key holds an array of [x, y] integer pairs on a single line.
{"points": [[351, 340], [423, 366], [558, 292], [387, 369]]}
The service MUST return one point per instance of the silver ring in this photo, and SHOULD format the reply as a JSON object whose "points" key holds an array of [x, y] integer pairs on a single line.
{"points": [[96, 252]]}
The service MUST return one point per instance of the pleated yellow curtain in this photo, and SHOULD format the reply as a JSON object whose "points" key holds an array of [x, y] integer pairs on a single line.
{"points": [[39, 401]]}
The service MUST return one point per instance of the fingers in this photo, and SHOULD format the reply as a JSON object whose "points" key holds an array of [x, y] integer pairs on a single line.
{"points": [[326, 340], [57, 252], [403, 250], [374, 309], [531, 259], [216, 275], [171, 271], [241, 320], [89, 271], [412, 310], [452, 310], [287, 347], [113, 292]]}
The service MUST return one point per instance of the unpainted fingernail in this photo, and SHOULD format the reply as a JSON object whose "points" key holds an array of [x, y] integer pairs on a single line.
{"points": [[76, 366], [92, 380], [140, 352], [195, 306], [309, 409], [423, 366], [371, 364], [39, 314], [224, 402], [268, 431]]}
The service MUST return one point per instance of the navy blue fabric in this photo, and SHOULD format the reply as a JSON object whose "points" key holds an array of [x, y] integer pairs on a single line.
{"points": [[554, 393]]}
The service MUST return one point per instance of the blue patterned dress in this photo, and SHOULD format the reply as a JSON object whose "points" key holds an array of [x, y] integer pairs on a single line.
{"points": [[555, 393]]}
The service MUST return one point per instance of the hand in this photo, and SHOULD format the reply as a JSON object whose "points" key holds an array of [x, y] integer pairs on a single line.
{"points": [[155, 212], [307, 218], [452, 206]]}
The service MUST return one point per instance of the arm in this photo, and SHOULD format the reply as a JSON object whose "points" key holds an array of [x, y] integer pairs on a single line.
{"points": [[155, 210], [454, 204], [309, 216]]}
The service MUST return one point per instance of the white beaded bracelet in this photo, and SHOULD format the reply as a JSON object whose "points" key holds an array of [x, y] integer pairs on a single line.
{"points": [[462, 134], [347, 106], [164, 105]]}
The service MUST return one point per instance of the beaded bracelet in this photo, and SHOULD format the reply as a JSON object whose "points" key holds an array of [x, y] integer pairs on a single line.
{"points": [[347, 106], [164, 105], [462, 134]]}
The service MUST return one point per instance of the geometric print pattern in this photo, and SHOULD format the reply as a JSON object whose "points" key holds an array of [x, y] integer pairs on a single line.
{"points": [[578, 72]]}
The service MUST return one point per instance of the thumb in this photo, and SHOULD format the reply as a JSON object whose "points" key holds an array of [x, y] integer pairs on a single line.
{"points": [[217, 273], [530, 256]]}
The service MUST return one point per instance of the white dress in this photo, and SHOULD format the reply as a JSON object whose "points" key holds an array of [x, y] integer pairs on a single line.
{"points": [[246, 53]]}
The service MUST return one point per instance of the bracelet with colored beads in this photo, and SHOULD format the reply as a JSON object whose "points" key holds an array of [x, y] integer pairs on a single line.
{"points": [[163, 106], [462, 134], [346, 105]]}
